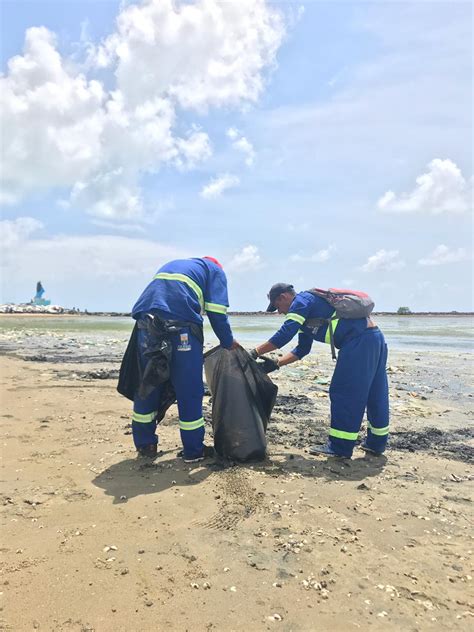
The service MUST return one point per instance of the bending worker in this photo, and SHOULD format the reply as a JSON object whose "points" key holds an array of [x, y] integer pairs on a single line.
{"points": [[359, 381], [175, 298]]}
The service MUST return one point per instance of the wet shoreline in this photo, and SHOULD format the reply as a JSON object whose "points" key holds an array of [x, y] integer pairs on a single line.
{"points": [[431, 404], [431, 391]]}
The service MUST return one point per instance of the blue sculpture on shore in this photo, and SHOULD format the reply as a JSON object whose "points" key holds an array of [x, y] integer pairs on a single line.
{"points": [[38, 299]]}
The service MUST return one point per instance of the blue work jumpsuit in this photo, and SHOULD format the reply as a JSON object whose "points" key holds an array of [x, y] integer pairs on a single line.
{"points": [[359, 381], [181, 290]]}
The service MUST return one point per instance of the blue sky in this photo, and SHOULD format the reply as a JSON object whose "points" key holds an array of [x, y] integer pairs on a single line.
{"points": [[319, 143]]}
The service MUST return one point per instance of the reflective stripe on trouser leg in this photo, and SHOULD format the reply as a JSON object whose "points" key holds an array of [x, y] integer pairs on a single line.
{"points": [[355, 369], [342, 442], [144, 418], [192, 437], [377, 437], [143, 427], [191, 425], [144, 410], [186, 375], [378, 405]]}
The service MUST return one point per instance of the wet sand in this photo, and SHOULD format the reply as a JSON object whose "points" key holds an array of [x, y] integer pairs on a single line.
{"points": [[94, 538]]}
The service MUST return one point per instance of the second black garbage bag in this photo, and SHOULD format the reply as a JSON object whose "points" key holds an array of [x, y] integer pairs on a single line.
{"points": [[242, 402]]}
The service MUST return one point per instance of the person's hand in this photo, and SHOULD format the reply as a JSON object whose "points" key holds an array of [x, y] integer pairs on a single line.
{"points": [[253, 354], [267, 365]]}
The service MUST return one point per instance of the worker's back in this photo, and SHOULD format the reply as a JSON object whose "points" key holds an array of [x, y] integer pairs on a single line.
{"points": [[181, 288], [314, 307]]}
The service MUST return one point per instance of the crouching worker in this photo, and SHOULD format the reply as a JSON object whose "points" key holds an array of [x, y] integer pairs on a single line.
{"points": [[164, 358], [359, 381]]}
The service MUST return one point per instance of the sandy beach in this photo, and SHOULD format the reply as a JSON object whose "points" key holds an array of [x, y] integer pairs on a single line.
{"points": [[181, 175], [96, 539]]}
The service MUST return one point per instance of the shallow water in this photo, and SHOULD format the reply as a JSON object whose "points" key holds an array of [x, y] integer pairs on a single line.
{"points": [[414, 332], [107, 335]]}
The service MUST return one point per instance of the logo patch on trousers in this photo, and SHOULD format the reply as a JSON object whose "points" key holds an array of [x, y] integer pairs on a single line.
{"points": [[184, 343]]}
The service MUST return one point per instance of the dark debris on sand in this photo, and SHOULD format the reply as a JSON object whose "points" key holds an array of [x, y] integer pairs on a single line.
{"points": [[306, 429], [451, 444]]}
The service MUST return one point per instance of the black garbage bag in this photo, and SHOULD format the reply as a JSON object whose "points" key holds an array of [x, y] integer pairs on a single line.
{"points": [[130, 370], [141, 378], [243, 397]]}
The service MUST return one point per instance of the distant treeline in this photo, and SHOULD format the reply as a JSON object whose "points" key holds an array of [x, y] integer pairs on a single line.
{"points": [[270, 315], [69, 312], [453, 313]]}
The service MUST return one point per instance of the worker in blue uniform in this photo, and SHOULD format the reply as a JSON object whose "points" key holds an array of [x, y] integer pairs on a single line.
{"points": [[181, 291], [359, 382]]}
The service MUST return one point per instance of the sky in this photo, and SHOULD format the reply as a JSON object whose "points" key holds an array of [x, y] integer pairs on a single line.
{"points": [[323, 144]]}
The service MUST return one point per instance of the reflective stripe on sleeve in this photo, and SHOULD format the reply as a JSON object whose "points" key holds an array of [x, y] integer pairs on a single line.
{"points": [[144, 419], [215, 307], [296, 317], [191, 425], [168, 276], [380, 432], [341, 434]]}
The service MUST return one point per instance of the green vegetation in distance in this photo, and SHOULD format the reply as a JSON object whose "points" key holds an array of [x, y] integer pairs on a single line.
{"points": [[403, 311]]}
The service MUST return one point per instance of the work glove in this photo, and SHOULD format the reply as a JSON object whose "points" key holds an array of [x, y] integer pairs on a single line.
{"points": [[253, 354], [267, 365]]}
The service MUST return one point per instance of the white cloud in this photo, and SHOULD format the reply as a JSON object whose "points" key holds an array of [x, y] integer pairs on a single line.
{"points": [[123, 228], [246, 147], [442, 189], [240, 143], [247, 259], [12, 232], [62, 128], [8, 198], [193, 150], [217, 186], [233, 133], [108, 195], [392, 112], [77, 258], [383, 260], [51, 119], [295, 228], [318, 257], [442, 254], [201, 54]]}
